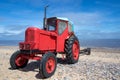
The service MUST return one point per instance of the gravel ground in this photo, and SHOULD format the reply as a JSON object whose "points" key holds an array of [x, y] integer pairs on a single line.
{"points": [[102, 64]]}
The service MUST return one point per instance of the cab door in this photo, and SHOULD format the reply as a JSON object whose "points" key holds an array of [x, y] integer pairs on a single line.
{"points": [[62, 31]]}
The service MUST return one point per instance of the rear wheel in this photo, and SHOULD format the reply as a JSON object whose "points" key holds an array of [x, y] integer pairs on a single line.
{"points": [[72, 49], [17, 60], [48, 65]]}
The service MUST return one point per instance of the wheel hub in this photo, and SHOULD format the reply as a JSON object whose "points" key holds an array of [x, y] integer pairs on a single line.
{"points": [[50, 65], [75, 50], [20, 60]]}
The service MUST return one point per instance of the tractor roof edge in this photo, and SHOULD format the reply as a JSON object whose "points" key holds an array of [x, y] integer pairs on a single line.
{"points": [[61, 18]]}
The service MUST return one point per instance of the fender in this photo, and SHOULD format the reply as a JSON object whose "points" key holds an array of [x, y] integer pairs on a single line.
{"points": [[70, 34]]}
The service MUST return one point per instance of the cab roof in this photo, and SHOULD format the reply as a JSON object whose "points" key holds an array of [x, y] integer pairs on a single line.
{"points": [[61, 18]]}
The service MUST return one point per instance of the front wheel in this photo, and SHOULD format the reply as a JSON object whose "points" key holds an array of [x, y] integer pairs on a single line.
{"points": [[17, 60], [48, 65]]}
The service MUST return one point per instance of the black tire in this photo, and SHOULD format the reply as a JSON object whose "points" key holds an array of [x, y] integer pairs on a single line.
{"points": [[43, 63], [68, 49], [13, 60], [55, 53]]}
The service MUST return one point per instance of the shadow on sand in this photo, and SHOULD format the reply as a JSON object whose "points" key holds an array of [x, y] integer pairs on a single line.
{"points": [[34, 66]]}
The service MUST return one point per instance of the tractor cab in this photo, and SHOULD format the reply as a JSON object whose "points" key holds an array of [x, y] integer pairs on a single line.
{"points": [[58, 24]]}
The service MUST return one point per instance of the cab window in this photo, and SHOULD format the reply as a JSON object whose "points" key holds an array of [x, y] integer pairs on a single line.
{"points": [[70, 28], [51, 28], [51, 23], [61, 27]]}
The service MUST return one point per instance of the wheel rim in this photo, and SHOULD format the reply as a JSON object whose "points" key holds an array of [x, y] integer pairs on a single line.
{"points": [[20, 60], [50, 65], [75, 50]]}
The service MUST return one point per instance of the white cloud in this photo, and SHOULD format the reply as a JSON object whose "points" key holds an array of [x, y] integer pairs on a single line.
{"points": [[90, 19], [2, 29], [11, 30], [14, 32], [93, 24], [84, 18]]}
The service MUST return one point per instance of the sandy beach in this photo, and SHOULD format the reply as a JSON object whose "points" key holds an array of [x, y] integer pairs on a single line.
{"points": [[102, 64]]}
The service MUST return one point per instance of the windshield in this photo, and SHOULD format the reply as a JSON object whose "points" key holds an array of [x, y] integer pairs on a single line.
{"points": [[51, 23]]}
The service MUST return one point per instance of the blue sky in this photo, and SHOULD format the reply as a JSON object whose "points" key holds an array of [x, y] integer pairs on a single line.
{"points": [[93, 19]]}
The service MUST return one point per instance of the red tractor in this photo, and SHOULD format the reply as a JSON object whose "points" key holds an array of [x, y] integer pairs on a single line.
{"points": [[57, 36]]}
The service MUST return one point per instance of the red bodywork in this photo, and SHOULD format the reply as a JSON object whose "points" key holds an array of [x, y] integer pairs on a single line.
{"points": [[57, 36], [44, 40]]}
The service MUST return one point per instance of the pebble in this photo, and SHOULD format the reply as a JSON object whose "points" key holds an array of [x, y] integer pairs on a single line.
{"points": [[91, 70]]}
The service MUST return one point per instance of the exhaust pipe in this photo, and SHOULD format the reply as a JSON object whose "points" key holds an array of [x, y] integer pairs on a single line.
{"points": [[45, 27]]}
